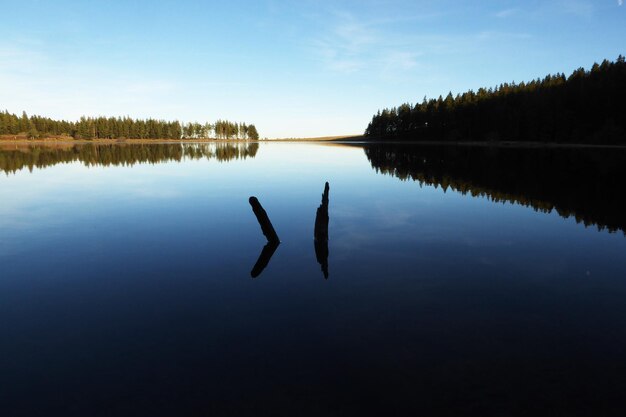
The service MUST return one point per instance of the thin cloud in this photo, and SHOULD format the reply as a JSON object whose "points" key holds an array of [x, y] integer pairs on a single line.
{"points": [[407, 18], [346, 66], [402, 60], [343, 48], [502, 14], [395, 65], [577, 7], [351, 43], [488, 35], [620, 2], [32, 81]]}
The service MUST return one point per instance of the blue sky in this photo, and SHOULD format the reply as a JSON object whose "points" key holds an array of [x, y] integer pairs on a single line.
{"points": [[294, 68]]}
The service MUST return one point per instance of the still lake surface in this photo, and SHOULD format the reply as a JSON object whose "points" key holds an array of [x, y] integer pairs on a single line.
{"points": [[460, 281]]}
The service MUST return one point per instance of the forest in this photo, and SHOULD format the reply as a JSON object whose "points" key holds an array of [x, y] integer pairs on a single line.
{"points": [[586, 107], [35, 127]]}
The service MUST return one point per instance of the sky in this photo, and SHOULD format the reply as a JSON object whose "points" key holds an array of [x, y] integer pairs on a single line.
{"points": [[293, 68]]}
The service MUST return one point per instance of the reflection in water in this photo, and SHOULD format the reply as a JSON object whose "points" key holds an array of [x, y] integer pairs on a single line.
{"points": [[17, 157], [321, 232], [270, 234], [584, 183], [264, 258], [142, 306]]}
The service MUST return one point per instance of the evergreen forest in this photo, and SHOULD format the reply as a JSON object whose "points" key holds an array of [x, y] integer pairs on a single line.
{"points": [[588, 106], [35, 127]]}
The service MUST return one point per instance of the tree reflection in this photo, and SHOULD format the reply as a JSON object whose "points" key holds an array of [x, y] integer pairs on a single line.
{"points": [[584, 183], [270, 234], [15, 158]]}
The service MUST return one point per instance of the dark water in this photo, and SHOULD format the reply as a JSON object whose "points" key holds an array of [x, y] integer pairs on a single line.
{"points": [[461, 281]]}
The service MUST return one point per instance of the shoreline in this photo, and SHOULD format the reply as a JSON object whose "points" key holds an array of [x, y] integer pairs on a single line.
{"points": [[22, 140], [354, 140]]}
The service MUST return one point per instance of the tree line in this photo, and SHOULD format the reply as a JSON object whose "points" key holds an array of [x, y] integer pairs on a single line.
{"points": [[221, 129], [586, 107], [122, 128]]}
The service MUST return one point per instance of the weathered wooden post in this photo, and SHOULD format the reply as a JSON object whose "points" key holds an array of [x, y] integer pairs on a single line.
{"points": [[320, 232], [270, 234], [321, 217], [264, 221]]}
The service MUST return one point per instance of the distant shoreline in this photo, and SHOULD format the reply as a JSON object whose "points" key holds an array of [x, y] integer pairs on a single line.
{"points": [[494, 144], [21, 140]]}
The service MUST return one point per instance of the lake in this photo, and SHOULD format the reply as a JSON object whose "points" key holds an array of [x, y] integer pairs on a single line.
{"points": [[455, 280]]}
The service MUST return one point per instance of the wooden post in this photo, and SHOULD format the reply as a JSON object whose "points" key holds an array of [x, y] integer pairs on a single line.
{"points": [[264, 221], [320, 232]]}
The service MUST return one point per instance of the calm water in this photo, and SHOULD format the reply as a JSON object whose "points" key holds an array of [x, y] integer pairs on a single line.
{"points": [[460, 281]]}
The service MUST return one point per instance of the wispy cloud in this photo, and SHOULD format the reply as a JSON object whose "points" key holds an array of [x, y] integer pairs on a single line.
{"points": [[581, 8], [620, 2], [502, 14], [342, 48], [489, 35], [397, 65], [32, 80], [14, 59], [349, 44], [577, 7], [402, 60]]}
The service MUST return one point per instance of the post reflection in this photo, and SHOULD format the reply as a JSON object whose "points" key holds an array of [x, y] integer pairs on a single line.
{"points": [[264, 258], [270, 234]]}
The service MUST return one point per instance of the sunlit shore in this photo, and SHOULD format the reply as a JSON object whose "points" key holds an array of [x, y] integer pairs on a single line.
{"points": [[22, 139], [10, 140]]}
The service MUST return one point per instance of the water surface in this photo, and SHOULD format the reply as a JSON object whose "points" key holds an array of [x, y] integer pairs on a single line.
{"points": [[481, 281]]}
